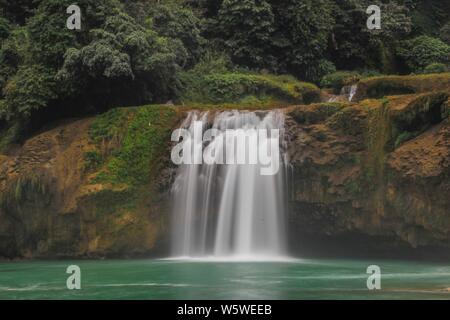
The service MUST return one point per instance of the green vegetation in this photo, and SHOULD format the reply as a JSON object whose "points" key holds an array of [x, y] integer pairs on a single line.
{"points": [[445, 33], [149, 52], [422, 51], [110, 203], [249, 87], [27, 188], [379, 87], [405, 136], [109, 125], [128, 144], [350, 120], [138, 146], [316, 113], [419, 114], [436, 68]]}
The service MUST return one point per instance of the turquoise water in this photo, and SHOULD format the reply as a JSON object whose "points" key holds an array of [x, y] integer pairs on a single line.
{"points": [[164, 279]]}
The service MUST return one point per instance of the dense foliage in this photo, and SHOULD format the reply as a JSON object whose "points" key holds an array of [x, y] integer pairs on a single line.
{"points": [[149, 51], [422, 51]]}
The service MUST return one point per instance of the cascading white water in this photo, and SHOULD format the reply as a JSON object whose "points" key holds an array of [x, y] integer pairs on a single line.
{"points": [[231, 210], [353, 90], [347, 93]]}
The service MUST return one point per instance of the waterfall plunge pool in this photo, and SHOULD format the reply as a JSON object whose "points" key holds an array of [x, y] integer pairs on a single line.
{"points": [[178, 279]]}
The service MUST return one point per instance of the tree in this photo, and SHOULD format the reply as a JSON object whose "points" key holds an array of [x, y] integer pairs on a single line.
{"points": [[172, 20], [124, 53], [445, 33], [246, 28], [5, 29], [302, 33], [29, 90], [396, 24], [13, 53], [423, 51], [353, 46], [17, 11], [113, 60]]}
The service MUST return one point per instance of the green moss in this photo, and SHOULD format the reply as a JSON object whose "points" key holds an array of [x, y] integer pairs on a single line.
{"points": [[445, 110], [378, 138], [316, 113], [145, 135], [350, 120], [23, 189], [92, 160], [378, 87], [110, 202], [405, 136], [353, 187], [108, 125], [249, 103], [421, 113], [219, 88], [125, 172]]}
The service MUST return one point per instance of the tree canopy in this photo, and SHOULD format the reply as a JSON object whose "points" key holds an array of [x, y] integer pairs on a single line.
{"points": [[134, 52]]}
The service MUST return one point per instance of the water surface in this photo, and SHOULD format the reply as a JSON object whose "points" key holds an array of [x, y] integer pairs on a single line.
{"points": [[178, 279]]}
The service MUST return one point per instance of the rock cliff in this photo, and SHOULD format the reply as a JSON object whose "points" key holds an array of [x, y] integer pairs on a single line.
{"points": [[373, 174], [376, 172]]}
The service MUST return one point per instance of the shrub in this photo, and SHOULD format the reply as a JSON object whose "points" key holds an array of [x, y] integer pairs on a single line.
{"points": [[436, 68], [325, 68]]}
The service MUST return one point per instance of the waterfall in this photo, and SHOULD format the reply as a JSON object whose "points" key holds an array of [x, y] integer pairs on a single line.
{"points": [[352, 93], [347, 94], [230, 210]]}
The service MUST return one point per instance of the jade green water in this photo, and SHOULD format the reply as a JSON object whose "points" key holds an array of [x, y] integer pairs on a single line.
{"points": [[163, 279]]}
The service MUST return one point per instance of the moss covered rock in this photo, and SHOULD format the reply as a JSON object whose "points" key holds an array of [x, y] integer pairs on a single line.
{"points": [[357, 175], [378, 87], [90, 188], [315, 113], [249, 88]]}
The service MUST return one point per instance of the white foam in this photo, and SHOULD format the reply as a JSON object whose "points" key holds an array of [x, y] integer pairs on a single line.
{"points": [[235, 259]]}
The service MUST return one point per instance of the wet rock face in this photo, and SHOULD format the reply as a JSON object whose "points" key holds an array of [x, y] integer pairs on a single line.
{"points": [[361, 171], [50, 206], [38, 194]]}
